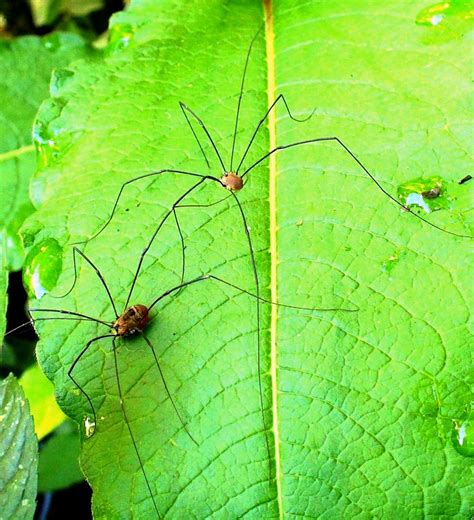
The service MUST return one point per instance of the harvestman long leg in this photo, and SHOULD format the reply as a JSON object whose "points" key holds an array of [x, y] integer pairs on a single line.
{"points": [[244, 291], [124, 411], [157, 230], [76, 361], [259, 299], [185, 109], [32, 321], [75, 251], [241, 93], [183, 245], [357, 160], [135, 179], [166, 385], [279, 98], [72, 313]]}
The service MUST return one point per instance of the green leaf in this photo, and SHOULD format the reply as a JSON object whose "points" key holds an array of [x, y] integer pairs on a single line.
{"points": [[19, 453], [25, 67], [40, 393], [45, 12], [59, 460], [367, 408]]}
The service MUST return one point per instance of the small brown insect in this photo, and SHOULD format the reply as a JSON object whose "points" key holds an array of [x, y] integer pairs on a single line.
{"points": [[465, 179], [134, 319], [432, 194]]}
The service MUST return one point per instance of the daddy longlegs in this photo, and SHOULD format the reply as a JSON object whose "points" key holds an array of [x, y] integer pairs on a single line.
{"points": [[233, 179]]}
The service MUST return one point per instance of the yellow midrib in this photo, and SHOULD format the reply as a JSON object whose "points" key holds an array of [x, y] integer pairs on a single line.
{"points": [[269, 38]]}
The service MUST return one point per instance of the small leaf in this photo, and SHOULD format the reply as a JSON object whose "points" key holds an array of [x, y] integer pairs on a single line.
{"points": [[18, 453], [45, 12], [40, 394]]}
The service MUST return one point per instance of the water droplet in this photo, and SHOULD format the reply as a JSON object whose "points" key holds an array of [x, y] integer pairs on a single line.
{"points": [[25, 502], [59, 78], [49, 135], [463, 437], [42, 267], [121, 36], [44, 141], [52, 42], [429, 194], [440, 13], [89, 426], [415, 199]]}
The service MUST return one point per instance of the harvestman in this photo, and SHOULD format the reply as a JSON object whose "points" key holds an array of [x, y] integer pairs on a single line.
{"points": [[233, 180]]}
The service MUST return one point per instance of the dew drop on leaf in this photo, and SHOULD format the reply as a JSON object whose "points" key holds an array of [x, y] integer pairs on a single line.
{"points": [[121, 35], [440, 13], [52, 42], [429, 194], [463, 437], [48, 135], [42, 267], [89, 427], [416, 199]]}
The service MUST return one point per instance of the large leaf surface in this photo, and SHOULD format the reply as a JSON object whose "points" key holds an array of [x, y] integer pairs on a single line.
{"points": [[367, 407]]}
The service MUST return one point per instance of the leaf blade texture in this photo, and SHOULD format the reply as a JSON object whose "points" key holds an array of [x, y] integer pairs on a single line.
{"points": [[366, 403], [19, 448]]}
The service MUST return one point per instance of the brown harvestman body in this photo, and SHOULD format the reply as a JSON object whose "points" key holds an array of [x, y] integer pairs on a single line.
{"points": [[233, 179]]}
